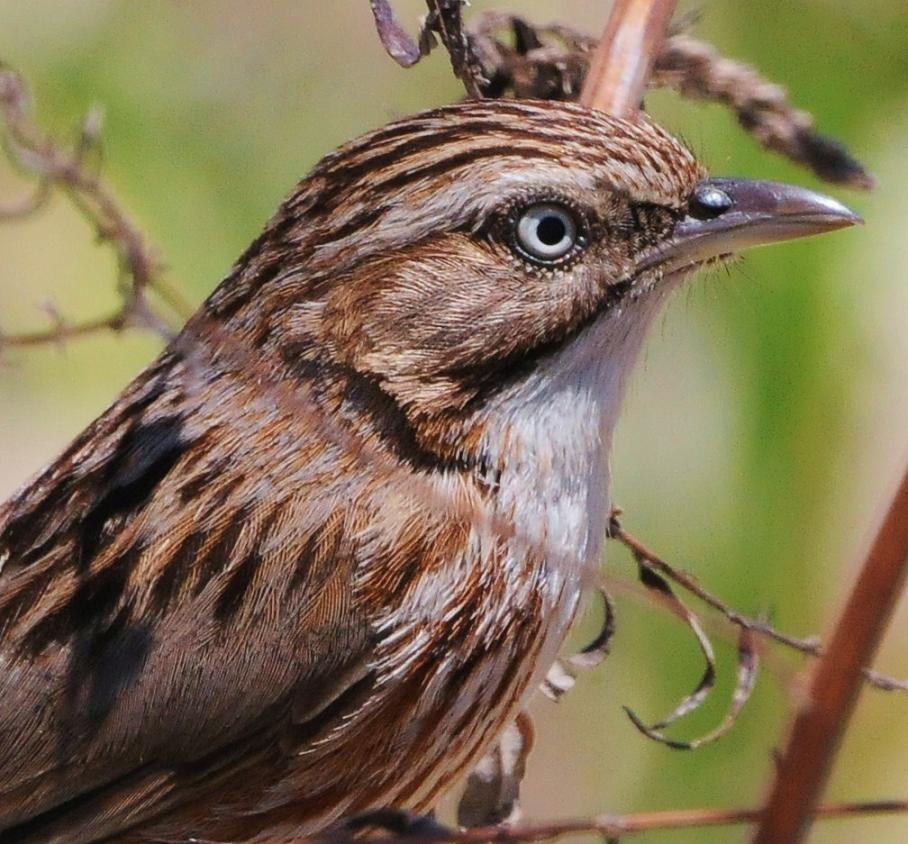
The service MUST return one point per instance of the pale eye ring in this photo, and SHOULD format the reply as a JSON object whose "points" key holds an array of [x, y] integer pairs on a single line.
{"points": [[547, 232]]}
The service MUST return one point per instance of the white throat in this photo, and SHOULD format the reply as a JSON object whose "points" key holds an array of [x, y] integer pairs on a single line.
{"points": [[552, 433]]}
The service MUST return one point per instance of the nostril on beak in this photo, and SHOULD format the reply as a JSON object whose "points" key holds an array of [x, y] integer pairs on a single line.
{"points": [[708, 202]]}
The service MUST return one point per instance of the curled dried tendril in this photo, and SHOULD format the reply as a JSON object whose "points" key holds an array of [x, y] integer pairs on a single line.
{"points": [[657, 575], [748, 669], [561, 676], [759, 628]]}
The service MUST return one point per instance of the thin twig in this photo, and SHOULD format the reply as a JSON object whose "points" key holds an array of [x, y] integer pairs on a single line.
{"points": [[445, 19], [42, 158], [823, 717], [811, 645], [620, 67], [27, 206], [418, 830]]}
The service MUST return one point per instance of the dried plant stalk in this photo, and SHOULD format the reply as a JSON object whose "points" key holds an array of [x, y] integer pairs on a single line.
{"points": [[821, 721], [445, 19], [550, 62], [620, 68], [810, 645], [748, 666], [52, 166], [697, 71]]}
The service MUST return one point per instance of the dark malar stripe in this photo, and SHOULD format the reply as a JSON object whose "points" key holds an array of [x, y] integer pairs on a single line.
{"points": [[486, 379]]}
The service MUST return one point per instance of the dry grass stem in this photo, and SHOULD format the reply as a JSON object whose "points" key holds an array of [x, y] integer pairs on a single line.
{"points": [[550, 62], [697, 71]]}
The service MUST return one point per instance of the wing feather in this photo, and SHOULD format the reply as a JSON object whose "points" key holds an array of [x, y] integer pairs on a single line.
{"points": [[171, 598]]}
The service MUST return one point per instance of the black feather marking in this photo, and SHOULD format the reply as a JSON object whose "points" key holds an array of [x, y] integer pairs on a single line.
{"points": [[176, 572], [115, 657], [208, 477], [240, 578], [304, 562], [88, 610], [37, 519], [147, 452], [363, 398], [219, 555], [237, 585]]}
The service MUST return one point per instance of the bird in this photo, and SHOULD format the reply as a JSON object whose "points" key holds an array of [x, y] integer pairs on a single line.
{"points": [[322, 550]]}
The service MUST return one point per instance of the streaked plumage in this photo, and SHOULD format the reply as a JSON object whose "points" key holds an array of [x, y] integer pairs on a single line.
{"points": [[317, 555]]}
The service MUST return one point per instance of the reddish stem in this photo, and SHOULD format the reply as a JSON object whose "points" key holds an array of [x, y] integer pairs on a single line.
{"points": [[621, 65], [819, 725]]}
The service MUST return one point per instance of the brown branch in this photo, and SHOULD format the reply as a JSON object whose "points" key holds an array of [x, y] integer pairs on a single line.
{"points": [[29, 204], [620, 67], [823, 717], [420, 830], [52, 165]]}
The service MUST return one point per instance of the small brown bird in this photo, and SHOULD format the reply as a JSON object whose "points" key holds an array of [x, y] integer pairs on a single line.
{"points": [[317, 556]]}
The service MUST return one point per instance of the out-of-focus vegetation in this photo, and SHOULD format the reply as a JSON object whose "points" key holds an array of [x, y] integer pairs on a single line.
{"points": [[763, 433]]}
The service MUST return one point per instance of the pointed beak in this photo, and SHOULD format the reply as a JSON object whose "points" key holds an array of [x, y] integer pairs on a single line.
{"points": [[726, 216]]}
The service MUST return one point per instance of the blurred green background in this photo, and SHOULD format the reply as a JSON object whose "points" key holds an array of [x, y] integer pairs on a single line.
{"points": [[763, 433]]}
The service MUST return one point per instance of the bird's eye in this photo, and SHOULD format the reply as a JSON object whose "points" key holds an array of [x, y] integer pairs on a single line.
{"points": [[546, 232]]}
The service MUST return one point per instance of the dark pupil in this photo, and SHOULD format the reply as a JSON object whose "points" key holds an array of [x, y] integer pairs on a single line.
{"points": [[551, 230]]}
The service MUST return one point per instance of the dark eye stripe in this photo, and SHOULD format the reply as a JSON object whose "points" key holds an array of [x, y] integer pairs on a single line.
{"points": [[649, 218]]}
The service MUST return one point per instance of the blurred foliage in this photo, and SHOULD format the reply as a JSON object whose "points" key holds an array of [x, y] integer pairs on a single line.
{"points": [[763, 433]]}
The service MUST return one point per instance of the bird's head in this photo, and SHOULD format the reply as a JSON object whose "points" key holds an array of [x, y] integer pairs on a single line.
{"points": [[446, 257]]}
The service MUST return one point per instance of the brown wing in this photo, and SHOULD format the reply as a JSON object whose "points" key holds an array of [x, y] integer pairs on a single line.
{"points": [[168, 588]]}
